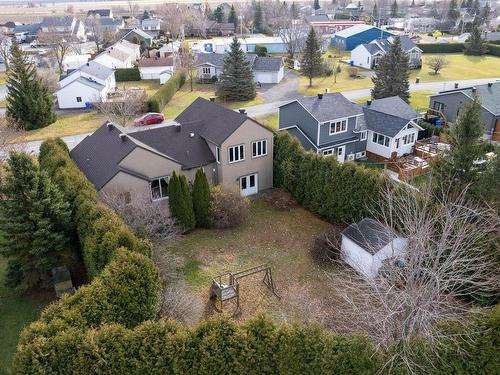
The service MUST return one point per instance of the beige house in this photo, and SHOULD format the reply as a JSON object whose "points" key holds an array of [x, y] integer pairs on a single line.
{"points": [[232, 149]]}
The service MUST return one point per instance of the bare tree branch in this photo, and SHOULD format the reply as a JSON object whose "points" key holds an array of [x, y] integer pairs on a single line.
{"points": [[5, 44], [59, 45], [125, 108]]}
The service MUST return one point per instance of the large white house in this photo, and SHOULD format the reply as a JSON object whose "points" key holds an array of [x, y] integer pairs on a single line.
{"points": [[89, 83], [132, 49], [369, 245]]}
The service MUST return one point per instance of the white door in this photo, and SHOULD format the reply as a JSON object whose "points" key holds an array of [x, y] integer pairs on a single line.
{"points": [[341, 154], [249, 185]]}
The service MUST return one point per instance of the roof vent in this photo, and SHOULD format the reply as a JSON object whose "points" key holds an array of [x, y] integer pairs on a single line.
{"points": [[474, 89], [456, 85], [191, 135], [490, 84], [212, 99], [320, 96], [368, 102], [177, 128], [110, 125], [123, 137], [243, 111]]}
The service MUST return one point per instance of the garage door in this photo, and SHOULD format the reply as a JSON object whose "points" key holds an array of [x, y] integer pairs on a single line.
{"points": [[265, 77]]}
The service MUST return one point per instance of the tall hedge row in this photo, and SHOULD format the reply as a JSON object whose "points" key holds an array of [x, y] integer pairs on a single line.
{"points": [[127, 74], [341, 193], [158, 101], [493, 49], [441, 47]]}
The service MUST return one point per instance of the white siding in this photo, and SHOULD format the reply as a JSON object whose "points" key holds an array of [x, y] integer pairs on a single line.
{"points": [[361, 57], [404, 149], [112, 63], [153, 72], [67, 96], [376, 148]]}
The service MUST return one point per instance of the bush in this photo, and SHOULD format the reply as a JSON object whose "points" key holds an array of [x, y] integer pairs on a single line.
{"points": [[493, 49], [341, 193], [353, 72], [260, 50], [326, 248], [127, 74], [441, 47], [201, 199], [228, 209], [327, 70], [160, 99]]}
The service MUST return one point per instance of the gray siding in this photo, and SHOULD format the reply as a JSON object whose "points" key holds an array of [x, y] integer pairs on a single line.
{"points": [[453, 103], [294, 114], [324, 133]]}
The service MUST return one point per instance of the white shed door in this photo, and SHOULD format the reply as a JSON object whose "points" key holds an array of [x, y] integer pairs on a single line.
{"points": [[249, 185], [266, 77]]}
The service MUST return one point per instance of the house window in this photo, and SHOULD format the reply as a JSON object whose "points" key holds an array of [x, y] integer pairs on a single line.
{"points": [[338, 127], [217, 154], [397, 143], [236, 153], [363, 136], [259, 148], [381, 139], [206, 70], [438, 106], [159, 188], [78, 99], [328, 152]]}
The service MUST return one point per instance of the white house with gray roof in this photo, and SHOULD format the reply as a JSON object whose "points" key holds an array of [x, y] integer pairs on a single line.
{"points": [[89, 83], [367, 55], [209, 66], [332, 125]]}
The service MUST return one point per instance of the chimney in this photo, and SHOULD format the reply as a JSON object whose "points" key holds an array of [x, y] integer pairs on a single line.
{"points": [[123, 137], [490, 84], [178, 128], [320, 96], [474, 90], [242, 111], [212, 99], [88, 63], [456, 85], [110, 125], [368, 103]]}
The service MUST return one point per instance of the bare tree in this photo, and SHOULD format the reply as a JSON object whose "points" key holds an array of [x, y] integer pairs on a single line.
{"points": [[133, 7], [125, 108], [9, 131], [5, 43], [446, 265], [187, 62], [142, 215], [101, 37], [60, 45], [292, 33], [176, 17], [49, 79], [437, 63]]}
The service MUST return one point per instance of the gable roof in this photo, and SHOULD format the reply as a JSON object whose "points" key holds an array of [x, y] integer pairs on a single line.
{"points": [[372, 48], [217, 59], [330, 107], [57, 21], [489, 96], [267, 64], [353, 30], [95, 69], [156, 61], [384, 123], [100, 12], [86, 82], [219, 122], [407, 44], [369, 234], [115, 53], [139, 32], [107, 21], [395, 106]]}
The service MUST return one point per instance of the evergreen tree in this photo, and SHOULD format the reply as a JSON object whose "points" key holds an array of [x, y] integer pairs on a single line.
{"points": [[258, 19], [294, 11], [174, 195], [394, 9], [28, 100], [475, 45], [453, 12], [316, 5], [236, 81], [232, 17], [412, 5], [218, 14], [186, 214], [34, 218], [458, 167], [311, 63], [201, 199], [392, 74], [375, 11]]}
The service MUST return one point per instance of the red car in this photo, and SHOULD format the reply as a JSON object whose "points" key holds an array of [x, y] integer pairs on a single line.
{"points": [[149, 119]]}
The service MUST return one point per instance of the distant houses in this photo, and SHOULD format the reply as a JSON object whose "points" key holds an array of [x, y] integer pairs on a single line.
{"points": [[350, 38], [65, 26]]}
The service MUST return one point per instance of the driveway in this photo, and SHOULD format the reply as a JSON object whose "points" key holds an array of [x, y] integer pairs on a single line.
{"points": [[3, 92], [285, 90]]}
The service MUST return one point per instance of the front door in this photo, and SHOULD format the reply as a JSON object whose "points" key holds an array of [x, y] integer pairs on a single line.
{"points": [[249, 185], [341, 154]]}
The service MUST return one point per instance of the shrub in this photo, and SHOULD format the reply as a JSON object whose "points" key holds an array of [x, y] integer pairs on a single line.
{"points": [[326, 247], [493, 50], [201, 199], [228, 209], [160, 99], [261, 50], [353, 72], [127, 74], [180, 202], [441, 47]]}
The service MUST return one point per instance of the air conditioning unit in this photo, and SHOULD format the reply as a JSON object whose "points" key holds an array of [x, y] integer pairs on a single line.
{"points": [[350, 157]]}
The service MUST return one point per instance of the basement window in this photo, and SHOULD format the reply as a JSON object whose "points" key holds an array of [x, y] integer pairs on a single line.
{"points": [[159, 188]]}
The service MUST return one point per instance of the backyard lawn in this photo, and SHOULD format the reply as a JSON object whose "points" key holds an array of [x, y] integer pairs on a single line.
{"points": [[71, 124], [419, 100], [270, 120], [150, 86], [3, 78], [184, 97], [15, 313], [281, 238]]}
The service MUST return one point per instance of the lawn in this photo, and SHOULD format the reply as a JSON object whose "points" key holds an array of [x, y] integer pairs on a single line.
{"points": [[270, 120], [184, 97], [150, 86], [65, 125], [419, 100], [285, 247], [3, 78], [15, 313]]}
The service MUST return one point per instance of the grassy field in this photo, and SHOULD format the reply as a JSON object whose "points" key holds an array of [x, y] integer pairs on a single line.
{"points": [[150, 86], [285, 247], [15, 313], [270, 120], [71, 124], [460, 67], [184, 97], [419, 100]]}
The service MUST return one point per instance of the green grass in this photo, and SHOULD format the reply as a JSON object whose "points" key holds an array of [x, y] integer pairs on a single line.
{"points": [[15, 313], [270, 120], [65, 125], [193, 273], [3, 78], [184, 97], [3, 103], [150, 86], [419, 100], [421, 181]]}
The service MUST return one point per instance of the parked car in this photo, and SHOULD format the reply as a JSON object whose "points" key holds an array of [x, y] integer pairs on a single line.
{"points": [[149, 119]]}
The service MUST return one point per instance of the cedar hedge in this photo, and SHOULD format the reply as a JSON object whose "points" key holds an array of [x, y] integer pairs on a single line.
{"points": [[493, 49], [160, 99], [441, 47], [342, 193], [127, 74]]}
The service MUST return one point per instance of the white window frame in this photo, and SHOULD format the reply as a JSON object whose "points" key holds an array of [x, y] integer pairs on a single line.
{"points": [[329, 152], [397, 142], [263, 143], [386, 141], [206, 70], [364, 136], [162, 197], [217, 154], [342, 123], [238, 147]]}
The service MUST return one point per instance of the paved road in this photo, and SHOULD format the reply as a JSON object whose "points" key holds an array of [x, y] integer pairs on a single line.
{"points": [[3, 92]]}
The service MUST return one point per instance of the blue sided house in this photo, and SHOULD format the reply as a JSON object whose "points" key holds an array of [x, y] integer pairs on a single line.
{"points": [[353, 36], [332, 125]]}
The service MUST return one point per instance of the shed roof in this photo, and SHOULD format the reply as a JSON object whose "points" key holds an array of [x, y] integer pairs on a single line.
{"points": [[268, 64], [353, 30], [370, 235], [156, 61]]}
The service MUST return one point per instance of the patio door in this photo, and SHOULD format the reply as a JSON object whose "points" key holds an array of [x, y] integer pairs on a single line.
{"points": [[341, 154], [249, 185]]}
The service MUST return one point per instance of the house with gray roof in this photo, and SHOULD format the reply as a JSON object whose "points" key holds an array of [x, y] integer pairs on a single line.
{"points": [[369, 245], [368, 55], [136, 36], [332, 125], [209, 67], [449, 103], [89, 83], [104, 13], [65, 26], [229, 146]]}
